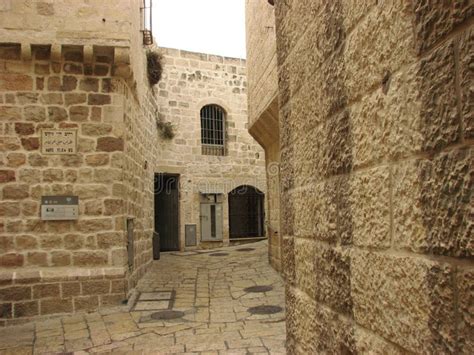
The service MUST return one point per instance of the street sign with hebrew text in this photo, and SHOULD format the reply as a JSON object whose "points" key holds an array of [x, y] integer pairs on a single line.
{"points": [[59, 141]]}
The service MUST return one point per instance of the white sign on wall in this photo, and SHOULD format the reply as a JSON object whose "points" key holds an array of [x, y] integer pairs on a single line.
{"points": [[59, 141], [59, 208]]}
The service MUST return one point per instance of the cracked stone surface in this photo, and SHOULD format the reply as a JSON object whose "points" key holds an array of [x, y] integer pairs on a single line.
{"points": [[208, 290]]}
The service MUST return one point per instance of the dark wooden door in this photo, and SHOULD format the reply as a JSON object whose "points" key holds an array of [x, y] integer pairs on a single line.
{"points": [[167, 211], [246, 212]]}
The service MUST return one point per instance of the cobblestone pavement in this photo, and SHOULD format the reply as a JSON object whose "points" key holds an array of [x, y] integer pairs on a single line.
{"points": [[209, 288]]}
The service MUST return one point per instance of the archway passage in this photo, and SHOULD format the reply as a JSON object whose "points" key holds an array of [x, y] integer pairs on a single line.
{"points": [[246, 212]]}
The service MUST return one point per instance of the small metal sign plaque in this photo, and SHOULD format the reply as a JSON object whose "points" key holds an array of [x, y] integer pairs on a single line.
{"points": [[59, 208], [190, 235], [55, 141]]}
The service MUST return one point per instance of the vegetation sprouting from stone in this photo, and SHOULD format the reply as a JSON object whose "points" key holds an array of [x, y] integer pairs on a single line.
{"points": [[166, 128], [154, 67]]}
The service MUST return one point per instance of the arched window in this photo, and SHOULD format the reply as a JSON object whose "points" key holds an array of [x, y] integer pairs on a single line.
{"points": [[213, 130]]}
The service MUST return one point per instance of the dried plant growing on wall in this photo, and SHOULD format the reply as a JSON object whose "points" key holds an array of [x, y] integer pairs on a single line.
{"points": [[154, 67], [166, 129]]}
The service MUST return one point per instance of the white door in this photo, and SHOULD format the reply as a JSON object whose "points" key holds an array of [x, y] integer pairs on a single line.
{"points": [[211, 221]]}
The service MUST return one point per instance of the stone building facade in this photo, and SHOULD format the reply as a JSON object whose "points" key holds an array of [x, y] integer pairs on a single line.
{"points": [[263, 109], [81, 66], [74, 65], [190, 82], [376, 137]]}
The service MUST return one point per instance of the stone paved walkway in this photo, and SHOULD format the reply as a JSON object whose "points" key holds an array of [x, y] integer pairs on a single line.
{"points": [[210, 291]]}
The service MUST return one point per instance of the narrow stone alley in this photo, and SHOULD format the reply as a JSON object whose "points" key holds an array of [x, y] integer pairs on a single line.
{"points": [[225, 301]]}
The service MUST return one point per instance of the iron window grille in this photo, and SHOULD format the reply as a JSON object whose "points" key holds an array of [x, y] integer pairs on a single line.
{"points": [[213, 130], [146, 26]]}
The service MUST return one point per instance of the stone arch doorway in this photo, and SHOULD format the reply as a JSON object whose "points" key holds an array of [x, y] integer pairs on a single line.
{"points": [[246, 212]]}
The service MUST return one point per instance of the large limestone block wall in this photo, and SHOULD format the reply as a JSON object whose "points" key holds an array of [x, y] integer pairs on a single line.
{"points": [[263, 109], [261, 57], [85, 23], [191, 81], [139, 167], [64, 266], [104, 22], [376, 125], [272, 157]]}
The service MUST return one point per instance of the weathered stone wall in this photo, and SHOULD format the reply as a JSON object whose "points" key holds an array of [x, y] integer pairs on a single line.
{"points": [[261, 57], [106, 22], [75, 22], [139, 165], [64, 266], [272, 157], [191, 81], [263, 109], [376, 123], [114, 23]]}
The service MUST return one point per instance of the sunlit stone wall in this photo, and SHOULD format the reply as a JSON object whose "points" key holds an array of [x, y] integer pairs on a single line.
{"points": [[376, 136], [76, 65], [264, 110], [190, 81]]}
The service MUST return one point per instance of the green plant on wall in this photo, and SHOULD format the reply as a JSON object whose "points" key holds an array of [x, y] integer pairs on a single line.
{"points": [[154, 67]]}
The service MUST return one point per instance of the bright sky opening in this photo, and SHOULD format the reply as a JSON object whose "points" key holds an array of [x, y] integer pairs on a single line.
{"points": [[206, 26]]}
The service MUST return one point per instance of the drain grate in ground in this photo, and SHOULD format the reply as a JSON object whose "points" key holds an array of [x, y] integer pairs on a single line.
{"points": [[246, 249], [258, 289], [219, 254], [166, 315], [265, 309]]}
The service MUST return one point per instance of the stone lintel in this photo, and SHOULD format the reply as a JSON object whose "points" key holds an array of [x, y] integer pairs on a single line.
{"points": [[265, 129]]}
